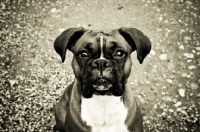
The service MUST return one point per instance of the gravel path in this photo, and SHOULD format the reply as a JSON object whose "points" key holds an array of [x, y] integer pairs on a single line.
{"points": [[167, 84]]}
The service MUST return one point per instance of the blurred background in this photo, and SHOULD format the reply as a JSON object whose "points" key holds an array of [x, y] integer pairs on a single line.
{"points": [[33, 78]]}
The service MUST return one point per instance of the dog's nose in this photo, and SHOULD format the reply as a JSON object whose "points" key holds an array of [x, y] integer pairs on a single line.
{"points": [[100, 63]]}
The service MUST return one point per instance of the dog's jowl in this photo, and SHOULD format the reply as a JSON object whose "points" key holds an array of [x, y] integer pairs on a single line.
{"points": [[99, 99]]}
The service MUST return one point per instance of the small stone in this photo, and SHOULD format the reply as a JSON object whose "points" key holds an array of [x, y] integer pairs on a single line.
{"points": [[197, 48], [189, 60], [166, 21], [188, 76], [191, 30], [193, 51], [169, 81], [171, 110], [184, 74], [188, 2], [53, 10], [145, 118], [194, 86], [181, 47], [178, 104], [163, 57], [189, 55], [182, 30], [152, 52], [168, 99], [184, 112], [155, 106], [181, 92], [178, 109], [163, 114], [192, 67], [187, 38], [25, 106], [147, 121], [3, 6]]}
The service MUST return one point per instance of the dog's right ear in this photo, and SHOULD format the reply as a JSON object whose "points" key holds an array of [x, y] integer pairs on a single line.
{"points": [[66, 40]]}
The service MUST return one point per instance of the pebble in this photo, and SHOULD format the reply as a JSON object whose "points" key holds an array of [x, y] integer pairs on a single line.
{"points": [[178, 109], [184, 112], [169, 81], [53, 10], [181, 92], [194, 86], [163, 57], [184, 74], [189, 60], [188, 2], [147, 121], [171, 110], [197, 48], [187, 38], [155, 106], [178, 104], [188, 76], [152, 52], [189, 55], [181, 47], [182, 30], [193, 51], [192, 67]]}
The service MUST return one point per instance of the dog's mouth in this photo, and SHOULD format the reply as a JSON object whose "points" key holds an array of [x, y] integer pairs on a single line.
{"points": [[102, 86]]}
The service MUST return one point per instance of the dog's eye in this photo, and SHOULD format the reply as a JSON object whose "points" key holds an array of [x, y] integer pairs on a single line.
{"points": [[83, 54], [119, 55]]}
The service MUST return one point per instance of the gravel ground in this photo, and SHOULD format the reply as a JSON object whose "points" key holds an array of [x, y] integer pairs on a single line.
{"points": [[167, 84]]}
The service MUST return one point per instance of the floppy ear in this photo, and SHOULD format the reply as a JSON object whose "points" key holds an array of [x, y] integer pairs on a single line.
{"points": [[137, 40], [66, 40]]}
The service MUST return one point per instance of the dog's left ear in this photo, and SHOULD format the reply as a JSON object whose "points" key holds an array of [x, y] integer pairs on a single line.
{"points": [[66, 40], [137, 40]]}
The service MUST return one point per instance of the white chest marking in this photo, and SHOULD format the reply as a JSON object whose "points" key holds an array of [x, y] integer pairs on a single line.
{"points": [[104, 113]]}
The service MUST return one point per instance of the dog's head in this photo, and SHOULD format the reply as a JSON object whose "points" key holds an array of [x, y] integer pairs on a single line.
{"points": [[102, 61]]}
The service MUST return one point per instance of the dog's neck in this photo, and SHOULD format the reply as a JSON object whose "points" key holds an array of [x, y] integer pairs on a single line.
{"points": [[104, 113]]}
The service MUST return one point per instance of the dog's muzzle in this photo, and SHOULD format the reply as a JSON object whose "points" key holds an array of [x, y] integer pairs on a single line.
{"points": [[102, 85]]}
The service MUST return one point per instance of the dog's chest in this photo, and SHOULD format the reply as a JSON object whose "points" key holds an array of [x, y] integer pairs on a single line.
{"points": [[104, 113]]}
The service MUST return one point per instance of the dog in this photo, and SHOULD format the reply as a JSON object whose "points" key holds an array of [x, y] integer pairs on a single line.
{"points": [[100, 99]]}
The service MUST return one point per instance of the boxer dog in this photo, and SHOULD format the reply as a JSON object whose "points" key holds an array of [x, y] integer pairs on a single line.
{"points": [[99, 99]]}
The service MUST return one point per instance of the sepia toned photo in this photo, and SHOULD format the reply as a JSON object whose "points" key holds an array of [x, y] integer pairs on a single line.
{"points": [[99, 66]]}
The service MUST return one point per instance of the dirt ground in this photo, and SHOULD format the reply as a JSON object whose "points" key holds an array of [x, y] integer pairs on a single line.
{"points": [[33, 78]]}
